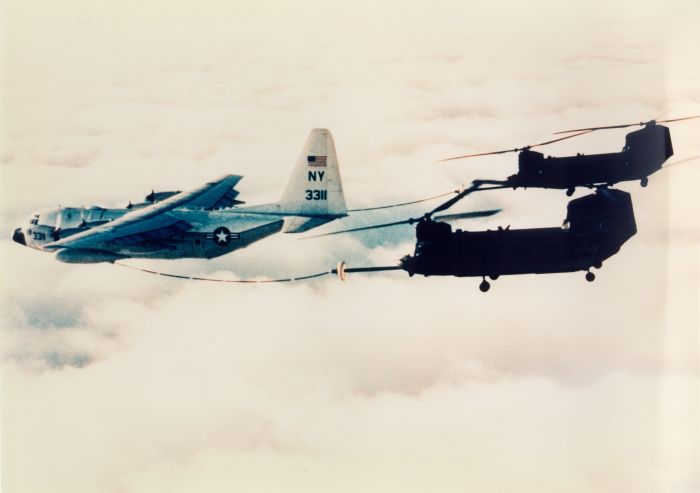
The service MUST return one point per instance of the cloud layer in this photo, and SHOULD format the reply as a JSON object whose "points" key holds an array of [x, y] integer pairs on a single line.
{"points": [[115, 380]]}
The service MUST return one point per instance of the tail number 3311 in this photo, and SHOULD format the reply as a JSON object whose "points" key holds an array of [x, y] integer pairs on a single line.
{"points": [[316, 194]]}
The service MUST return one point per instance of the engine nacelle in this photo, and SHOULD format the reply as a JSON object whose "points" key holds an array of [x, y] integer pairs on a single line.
{"points": [[86, 256]]}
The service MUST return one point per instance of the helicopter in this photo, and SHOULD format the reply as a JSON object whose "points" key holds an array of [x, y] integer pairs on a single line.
{"points": [[644, 153], [595, 227]]}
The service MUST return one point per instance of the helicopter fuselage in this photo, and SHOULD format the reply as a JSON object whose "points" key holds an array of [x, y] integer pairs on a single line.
{"points": [[644, 153], [595, 228]]}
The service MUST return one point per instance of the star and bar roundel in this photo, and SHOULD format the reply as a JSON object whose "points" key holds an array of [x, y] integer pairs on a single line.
{"points": [[222, 236]]}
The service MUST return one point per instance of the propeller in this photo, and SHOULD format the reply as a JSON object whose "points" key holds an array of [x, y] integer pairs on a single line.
{"points": [[626, 125], [520, 149]]}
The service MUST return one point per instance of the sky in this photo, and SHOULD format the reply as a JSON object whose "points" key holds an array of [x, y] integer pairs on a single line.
{"points": [[117, 381]]}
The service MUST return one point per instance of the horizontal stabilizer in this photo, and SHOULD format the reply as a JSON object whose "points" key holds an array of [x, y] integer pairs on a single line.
{"points": [[300, 224]]}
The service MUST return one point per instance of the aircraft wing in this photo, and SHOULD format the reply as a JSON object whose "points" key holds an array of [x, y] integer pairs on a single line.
{"points": [[213, 195], [217, 194], [154, 223]]}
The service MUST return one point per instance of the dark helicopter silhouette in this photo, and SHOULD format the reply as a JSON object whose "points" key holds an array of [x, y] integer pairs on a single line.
{"points": [[644, 153], [595, 228]]}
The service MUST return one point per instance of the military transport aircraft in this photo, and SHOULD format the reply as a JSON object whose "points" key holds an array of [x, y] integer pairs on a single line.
{"points": [[204, 223]]}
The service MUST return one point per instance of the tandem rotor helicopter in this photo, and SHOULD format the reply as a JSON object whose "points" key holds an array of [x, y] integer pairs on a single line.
{"points": [[595, 227], [644, 153]]}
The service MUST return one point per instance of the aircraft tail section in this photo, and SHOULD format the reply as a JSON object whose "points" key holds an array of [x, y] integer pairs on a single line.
{"points": [[314, 187], [299, 224], [313, 194]]}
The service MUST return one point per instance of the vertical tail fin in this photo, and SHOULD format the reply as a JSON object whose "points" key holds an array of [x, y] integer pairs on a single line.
{"points": [[314, 187]]}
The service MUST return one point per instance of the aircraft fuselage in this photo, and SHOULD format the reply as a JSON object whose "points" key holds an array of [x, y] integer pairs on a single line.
{"points": [[209, 234]]}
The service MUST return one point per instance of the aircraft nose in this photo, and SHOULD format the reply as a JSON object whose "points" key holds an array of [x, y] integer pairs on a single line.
{"points": [[18, 236], [407, 263]]}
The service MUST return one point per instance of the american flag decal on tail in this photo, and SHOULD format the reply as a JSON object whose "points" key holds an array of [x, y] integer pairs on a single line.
{"points": [[316, 160]]}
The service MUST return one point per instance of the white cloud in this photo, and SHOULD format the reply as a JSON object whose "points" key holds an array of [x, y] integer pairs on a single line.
{"points": [[115, 380]]}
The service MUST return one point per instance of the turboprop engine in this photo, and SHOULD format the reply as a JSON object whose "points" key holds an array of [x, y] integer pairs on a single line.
{"points": [[86, 256]]}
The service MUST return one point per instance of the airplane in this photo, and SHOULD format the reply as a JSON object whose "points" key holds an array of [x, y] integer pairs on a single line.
{"points": [[204, 223]]}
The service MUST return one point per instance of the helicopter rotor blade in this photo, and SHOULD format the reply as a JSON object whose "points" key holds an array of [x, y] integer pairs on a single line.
{"points": [[626, 125], [401, 204], [467, 215], [593, 129], [519, 149], [493, 153], [682, 161], [678, 119], [446, 217], [475, 187], [364, 228], [449, 203]]}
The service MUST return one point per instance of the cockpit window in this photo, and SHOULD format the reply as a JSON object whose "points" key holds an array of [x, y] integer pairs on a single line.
{"points": [[46, 217]]}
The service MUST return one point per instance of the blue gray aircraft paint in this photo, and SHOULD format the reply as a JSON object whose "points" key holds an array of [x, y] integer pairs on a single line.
{"points": [[203, 223]]}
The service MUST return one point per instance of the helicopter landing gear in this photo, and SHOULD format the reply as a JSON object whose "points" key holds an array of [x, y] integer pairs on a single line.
{"points": [[644, 182], [494, 277], [484, 286], [598, 264], [590, 276], [570, 191]]}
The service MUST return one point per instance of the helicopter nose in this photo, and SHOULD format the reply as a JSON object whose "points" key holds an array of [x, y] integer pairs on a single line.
{"points": [[407, 263], [18, 236]]}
